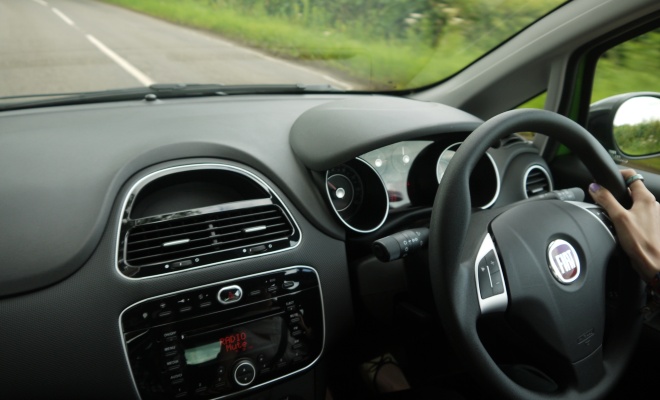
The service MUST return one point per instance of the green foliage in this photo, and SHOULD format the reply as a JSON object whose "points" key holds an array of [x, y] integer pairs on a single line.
{"points": [[629, 67], [632, 67], [385, 44], [638, 139]]}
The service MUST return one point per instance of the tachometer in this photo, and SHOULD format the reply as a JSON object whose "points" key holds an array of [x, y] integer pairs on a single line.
{"points": [[344, 189]]}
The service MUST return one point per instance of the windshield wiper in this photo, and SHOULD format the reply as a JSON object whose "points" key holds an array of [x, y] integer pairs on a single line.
{"points": [[155, 92]]}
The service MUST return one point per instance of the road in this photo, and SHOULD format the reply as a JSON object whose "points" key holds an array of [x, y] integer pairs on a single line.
{"points": [[55, 46]]}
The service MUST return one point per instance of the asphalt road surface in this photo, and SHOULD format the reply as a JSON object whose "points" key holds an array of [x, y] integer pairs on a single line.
{"points": [[55, 46]]}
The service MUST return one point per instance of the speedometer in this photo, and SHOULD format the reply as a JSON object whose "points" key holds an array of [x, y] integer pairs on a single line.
{"points": [[443, 160], [484, 179]]}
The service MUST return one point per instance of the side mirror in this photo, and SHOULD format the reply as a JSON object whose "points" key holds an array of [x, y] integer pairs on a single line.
{"points": [[628, 125]]}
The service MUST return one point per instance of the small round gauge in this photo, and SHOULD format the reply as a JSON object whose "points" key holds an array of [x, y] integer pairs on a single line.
{"points": [[344, 188], [444, 159], [401, 158]]}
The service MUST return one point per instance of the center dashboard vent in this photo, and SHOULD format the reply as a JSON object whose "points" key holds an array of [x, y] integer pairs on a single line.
{"points": [[537, 181], [246, 219]]}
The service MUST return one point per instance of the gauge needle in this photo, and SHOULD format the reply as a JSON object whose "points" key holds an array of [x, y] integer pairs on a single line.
{"points": [[332, 186]]}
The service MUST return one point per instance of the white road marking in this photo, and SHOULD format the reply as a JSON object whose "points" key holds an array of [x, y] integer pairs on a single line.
{"points": [[42, 2], [64, 17], [136, 73], [343, 85]]}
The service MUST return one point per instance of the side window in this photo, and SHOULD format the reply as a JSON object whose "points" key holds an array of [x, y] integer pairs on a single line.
{"points": [[631, 67]]}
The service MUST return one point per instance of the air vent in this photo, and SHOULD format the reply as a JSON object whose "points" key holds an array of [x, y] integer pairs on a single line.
{"points": [[236, 216], [188, 238], [537, 181]]}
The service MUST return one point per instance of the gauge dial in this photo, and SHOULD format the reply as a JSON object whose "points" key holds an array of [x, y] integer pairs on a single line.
{"points": [[344, 189], [402, 158], [444, 159]]}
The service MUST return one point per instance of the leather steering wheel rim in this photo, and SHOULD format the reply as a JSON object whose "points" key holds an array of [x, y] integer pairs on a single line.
{"points": [[450, 222]]}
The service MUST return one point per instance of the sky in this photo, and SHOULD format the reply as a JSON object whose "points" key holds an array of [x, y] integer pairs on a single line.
{"points": [[637, 110]]}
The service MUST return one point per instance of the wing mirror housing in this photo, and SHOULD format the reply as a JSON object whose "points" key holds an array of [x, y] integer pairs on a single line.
{"points": [[628, 125]]}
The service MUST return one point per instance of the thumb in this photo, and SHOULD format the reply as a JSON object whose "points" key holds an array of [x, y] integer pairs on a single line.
{"points": [[605, 199]]}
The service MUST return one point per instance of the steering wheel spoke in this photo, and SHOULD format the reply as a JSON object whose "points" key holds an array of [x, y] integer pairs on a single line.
{"points": [[489, 278], [590, 370]]}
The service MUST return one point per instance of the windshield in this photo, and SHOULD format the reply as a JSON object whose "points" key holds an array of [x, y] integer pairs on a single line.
{"points": [[65, 46]]}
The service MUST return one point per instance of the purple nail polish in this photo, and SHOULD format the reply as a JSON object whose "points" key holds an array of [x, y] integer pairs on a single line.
{"points": [[594, 187]]}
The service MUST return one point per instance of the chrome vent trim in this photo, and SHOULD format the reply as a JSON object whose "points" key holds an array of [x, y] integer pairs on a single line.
{"points": [[190, 239], [537, 181]]}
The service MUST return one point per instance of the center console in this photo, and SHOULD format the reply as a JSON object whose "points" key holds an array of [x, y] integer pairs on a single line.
{"points": [[222, 339]]}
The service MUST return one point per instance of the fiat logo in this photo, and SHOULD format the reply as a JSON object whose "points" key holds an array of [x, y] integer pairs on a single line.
{"points": [[564, 261]]}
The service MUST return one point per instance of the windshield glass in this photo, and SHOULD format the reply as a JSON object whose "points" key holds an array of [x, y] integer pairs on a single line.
{"points": [[64, 46]]}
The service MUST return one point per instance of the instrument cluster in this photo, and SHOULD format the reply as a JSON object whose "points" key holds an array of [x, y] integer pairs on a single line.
{"points": [[400, 175]]}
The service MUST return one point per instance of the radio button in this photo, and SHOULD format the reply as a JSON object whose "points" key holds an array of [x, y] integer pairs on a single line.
{"points": [[164, 314], [172, 362], [170, 335], [185, 309], [177, 382], [170, 348], [244, 373], [175, 378], [297, 346]]}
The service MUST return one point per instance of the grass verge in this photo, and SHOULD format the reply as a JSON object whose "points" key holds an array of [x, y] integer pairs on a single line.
{"points": [[380, 64]]}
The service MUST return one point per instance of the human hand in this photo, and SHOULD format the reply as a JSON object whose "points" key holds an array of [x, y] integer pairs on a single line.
{"points": [[638, 229]]}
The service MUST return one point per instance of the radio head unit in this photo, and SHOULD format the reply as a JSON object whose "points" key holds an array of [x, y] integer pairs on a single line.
{"points": [[221, 339]]}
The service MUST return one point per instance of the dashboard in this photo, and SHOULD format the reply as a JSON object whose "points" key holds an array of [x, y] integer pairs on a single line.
{"points": [[198, 251]]}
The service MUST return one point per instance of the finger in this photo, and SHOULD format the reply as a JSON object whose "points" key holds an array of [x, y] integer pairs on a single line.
{"points": [[627, 173], [603, 197], [638, 189]]}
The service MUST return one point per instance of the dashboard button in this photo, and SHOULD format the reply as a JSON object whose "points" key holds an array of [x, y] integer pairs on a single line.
{"points": [[181, 264], [230, 294]]}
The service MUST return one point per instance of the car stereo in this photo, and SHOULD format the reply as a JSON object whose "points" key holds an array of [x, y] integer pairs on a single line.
{"points": [[221, 339]]}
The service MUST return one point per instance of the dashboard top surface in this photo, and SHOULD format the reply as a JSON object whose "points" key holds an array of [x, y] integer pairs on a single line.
{"points": [[61, 168]]}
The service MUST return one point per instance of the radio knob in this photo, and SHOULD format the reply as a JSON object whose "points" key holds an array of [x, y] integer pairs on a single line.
{"points": [[244, 373]]}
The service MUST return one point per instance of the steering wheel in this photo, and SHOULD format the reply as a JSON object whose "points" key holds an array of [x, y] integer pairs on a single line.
{"points": [[541, 266]]}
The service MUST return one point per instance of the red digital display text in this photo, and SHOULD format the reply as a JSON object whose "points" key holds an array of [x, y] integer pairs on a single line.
{"points": [[236, 342]]}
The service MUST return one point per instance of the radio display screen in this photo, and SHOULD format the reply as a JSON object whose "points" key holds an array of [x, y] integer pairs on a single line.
{"points": [[258, 337]]}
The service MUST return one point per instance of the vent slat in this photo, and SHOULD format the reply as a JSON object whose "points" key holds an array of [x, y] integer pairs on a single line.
{"points": [[199, 250], [218, 221], [188, 237]]}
